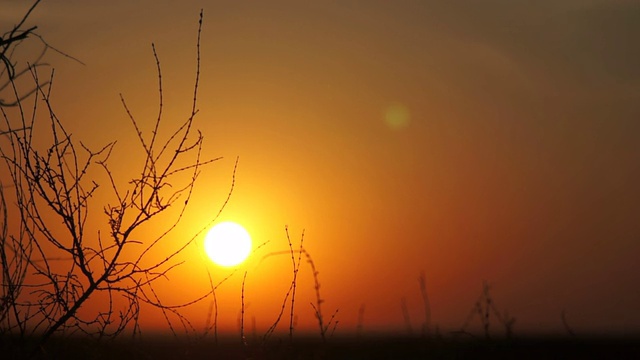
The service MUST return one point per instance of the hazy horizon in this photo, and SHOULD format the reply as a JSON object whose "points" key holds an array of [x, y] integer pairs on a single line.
{"points": [[472, 141]]}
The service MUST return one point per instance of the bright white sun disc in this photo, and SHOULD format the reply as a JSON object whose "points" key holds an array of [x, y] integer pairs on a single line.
{"points": [[227, 244]]}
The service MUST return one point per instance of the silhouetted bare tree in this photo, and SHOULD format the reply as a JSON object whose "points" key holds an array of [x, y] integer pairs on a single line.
{"points": [[52, 262]]}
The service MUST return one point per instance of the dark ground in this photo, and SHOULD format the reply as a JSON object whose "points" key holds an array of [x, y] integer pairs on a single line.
{"points": [[339, 348]]}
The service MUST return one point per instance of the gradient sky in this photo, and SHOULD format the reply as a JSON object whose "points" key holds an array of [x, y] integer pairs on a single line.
{"points": [[473, 140]]}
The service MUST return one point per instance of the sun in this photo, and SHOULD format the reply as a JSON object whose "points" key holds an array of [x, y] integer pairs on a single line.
{"points": [[227, 244]]}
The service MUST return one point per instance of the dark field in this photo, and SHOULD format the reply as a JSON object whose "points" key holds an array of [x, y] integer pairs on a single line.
{"points": [[388, 347]]}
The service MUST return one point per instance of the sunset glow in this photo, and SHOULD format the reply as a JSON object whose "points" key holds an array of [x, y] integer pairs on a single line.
{"points": [[227, 244], [390, 159]]}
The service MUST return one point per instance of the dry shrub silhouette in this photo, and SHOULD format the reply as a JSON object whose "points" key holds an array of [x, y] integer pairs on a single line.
{"points": [[53, 263], [326, 328], [483, 309], [425, 331]]}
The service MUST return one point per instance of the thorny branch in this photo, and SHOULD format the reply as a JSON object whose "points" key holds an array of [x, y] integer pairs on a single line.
{"points": [[9, 43], [52, 263]]}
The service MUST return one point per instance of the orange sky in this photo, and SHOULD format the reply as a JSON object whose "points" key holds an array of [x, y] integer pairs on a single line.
{"points": [[518, 162]]}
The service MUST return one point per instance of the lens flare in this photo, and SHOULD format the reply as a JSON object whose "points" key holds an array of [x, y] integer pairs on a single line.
{"points": [[397, 116]]}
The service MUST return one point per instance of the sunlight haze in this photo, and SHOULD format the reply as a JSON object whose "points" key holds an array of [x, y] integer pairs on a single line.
{"points": [[473, 141]]}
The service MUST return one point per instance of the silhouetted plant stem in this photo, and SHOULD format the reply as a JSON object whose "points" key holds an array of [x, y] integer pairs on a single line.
{"points": [[317, 307], [405, 315], [426, 327], [290, 291], [296, 268], [243, 339], [360, 324], [569, 330]]}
